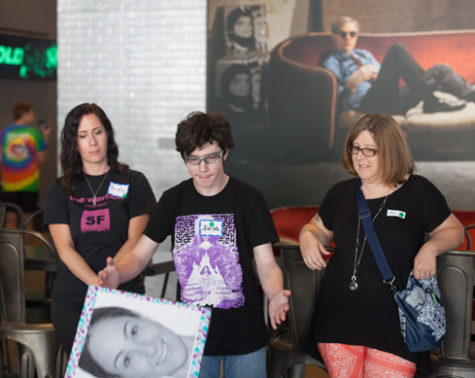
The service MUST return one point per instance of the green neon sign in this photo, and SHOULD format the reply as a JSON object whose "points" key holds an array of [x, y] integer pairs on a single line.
{"points": [[28, 58], [11, 55]]}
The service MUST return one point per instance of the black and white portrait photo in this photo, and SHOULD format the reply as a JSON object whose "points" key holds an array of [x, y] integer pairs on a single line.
{"points": [[122, 334]]}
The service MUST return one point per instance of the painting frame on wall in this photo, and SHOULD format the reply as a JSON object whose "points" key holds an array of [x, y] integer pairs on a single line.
{"points": [[128, 334], [295, 137]]}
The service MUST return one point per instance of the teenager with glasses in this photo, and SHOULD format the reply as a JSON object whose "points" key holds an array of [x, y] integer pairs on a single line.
{"points": [[356, 323], [370, 87], [219, 226]]}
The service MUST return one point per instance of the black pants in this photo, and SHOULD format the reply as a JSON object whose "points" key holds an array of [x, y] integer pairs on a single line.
{"points": [[385, 95], [65, 317]]}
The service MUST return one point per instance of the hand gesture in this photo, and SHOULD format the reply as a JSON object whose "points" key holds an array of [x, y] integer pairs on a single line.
{"points": [[425, 263], [278, 307], [366, 72], [109, 276], [369, 72], [312, 251]]}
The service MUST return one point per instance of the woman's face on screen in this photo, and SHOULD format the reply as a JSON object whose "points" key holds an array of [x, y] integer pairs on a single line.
{"points": [[240, 85], [243, 27], [136, 347]]}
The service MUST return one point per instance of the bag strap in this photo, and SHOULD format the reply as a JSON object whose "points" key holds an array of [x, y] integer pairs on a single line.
{"points": [[365, 217]]}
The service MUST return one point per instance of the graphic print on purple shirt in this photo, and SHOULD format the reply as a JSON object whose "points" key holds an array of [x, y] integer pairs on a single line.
{"points": [[207, 260], [95, 220]]}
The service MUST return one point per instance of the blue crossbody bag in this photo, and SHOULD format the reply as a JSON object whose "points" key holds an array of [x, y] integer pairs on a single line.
{"points": [[421, 311]]}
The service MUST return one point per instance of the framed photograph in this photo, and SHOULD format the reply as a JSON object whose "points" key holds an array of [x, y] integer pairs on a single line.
{"points": [[288, 121], [238, 86], [246, 29], [122, 334]]}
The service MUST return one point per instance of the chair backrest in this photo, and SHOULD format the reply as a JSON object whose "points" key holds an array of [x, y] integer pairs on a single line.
{"points": [[304, 284], [289, 220], [4, 206], [12, 274], [455, 276]]}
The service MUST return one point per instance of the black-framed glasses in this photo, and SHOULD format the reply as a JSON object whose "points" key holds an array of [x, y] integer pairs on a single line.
{"points": [[208, 159], [343, 34], [366, 151]]}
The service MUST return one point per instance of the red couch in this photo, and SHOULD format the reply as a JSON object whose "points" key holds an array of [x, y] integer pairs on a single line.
{"points": [[303, 96], [289, 220]]}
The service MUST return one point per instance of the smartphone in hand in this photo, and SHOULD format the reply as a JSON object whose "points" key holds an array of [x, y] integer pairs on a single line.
{"points": [[43, 125]]}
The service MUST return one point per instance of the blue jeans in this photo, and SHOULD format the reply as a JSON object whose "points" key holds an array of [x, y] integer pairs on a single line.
{"points": [[251, 365]]}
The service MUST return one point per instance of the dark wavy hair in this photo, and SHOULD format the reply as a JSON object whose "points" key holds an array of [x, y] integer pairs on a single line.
{"points": [[199, 128], [231, 20], [227, 98], [71, 162], [87, 362]]}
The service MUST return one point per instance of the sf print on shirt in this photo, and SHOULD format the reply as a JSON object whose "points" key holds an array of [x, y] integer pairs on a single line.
{"points": [[98, 220], [95, 220], [207, 260]]}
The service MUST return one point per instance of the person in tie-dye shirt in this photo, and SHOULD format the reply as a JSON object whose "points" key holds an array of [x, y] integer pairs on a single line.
{"points": [[23, 148]]}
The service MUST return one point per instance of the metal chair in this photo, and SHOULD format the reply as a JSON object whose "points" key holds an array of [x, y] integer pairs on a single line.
{"points": [[455, 277], [156, 269], [38, 345], [11, 207], [287, 351]]}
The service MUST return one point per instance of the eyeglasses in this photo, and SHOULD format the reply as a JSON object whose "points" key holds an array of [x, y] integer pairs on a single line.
{"points": [[208, 159], [343, 34], [368, 152]]}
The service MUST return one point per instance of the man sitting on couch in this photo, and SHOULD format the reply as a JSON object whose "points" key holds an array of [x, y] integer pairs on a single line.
{"points": [[367, 86]]}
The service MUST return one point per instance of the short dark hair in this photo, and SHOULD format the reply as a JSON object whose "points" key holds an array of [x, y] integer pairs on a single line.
{"points": [[21, 108], [233, 16], [228, 98], [71, 163], [87, 362], [395, 159], [229, 74], [199, 128]]}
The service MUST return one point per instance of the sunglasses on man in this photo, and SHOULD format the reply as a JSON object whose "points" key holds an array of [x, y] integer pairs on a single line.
{"points": [[343, 34]]}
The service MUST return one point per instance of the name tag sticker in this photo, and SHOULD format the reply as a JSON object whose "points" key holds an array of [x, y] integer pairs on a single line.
{"points": [[396, 213], [211, 227], [118, 190]]}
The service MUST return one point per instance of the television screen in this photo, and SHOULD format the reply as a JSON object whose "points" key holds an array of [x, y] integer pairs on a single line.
{"points": [[27, 58]]}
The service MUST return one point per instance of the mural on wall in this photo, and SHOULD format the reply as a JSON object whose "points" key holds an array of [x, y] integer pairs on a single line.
{"points": [[287, 112]]}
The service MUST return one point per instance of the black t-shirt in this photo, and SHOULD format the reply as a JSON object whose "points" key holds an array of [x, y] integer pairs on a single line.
{"points": [[100, 231], [368, 316], [212, 238]]}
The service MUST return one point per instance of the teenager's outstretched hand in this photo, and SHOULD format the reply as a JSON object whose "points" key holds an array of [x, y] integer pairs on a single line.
{"points": [[109, 276], [278, 307]]}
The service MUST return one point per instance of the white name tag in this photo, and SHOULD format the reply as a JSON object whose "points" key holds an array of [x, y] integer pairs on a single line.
{"points": [[118, 190], [396, 213], [211, 227]]}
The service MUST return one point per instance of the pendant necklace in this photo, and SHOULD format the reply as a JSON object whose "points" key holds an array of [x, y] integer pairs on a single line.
{"points": [[94, 193], [357, 260]]}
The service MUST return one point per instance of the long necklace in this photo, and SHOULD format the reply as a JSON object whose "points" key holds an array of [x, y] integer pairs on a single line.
{"points": [[357, 260], [94, 193]]}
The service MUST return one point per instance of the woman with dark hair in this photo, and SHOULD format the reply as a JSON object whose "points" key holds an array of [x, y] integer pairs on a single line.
{"points": [[357, 328], [240, 28], [236, 89], [124, 343], [98, 208]]}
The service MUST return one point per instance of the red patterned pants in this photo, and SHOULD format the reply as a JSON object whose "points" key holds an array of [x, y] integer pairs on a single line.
{"points": [[355, 361]]}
